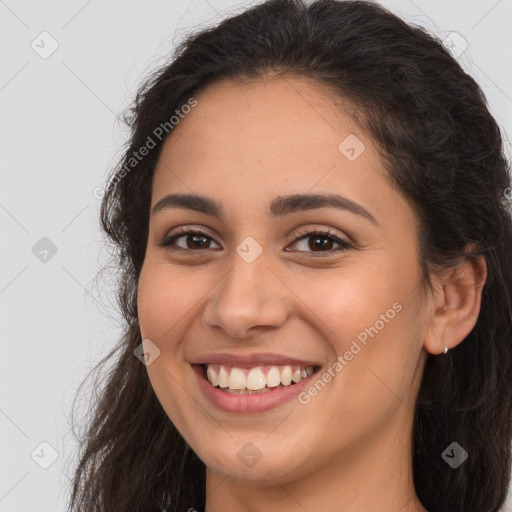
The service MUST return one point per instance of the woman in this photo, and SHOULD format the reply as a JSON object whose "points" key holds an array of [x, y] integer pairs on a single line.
{"points": [[315, 254]]}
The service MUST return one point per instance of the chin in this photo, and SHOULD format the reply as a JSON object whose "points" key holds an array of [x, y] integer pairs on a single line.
{"points": [[243, 461]]}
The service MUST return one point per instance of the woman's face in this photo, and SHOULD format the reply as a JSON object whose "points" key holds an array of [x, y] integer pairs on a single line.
{"points": [[259, 281]]}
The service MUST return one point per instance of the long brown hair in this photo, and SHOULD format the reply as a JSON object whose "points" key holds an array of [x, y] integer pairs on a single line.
{"points": [[443, 151]]}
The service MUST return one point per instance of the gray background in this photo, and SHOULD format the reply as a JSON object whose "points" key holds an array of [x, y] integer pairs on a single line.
{"points": [[59, 135]]}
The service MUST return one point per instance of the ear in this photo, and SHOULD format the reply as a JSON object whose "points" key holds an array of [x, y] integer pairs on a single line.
{"points": [[456, 304]]}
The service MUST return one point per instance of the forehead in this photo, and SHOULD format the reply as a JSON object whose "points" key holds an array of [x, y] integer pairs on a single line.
{"points": [[267, 137], [272, 113]]}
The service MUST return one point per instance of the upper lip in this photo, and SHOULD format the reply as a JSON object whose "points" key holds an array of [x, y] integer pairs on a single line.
{"points": [[252, 360]]}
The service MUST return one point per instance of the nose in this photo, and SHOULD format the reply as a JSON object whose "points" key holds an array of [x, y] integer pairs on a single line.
{"points": [[250, 299]]}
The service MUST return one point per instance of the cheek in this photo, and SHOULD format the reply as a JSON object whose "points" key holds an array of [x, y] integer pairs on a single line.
{"points": [[153, 304], [163, 300], [162, 307], [368, 316], [347, 303]]}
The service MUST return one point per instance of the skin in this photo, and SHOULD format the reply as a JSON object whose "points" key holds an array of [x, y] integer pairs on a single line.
{"points": [[349, 447]]}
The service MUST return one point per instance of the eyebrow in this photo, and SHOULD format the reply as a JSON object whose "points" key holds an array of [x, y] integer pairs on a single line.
{"points": [[279, 207]]}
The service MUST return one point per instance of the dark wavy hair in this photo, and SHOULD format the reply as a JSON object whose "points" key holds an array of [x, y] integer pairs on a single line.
{"points": [[443, 151]]}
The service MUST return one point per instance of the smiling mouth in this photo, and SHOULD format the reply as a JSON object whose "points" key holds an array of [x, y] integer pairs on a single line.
{"points": [[257, 380]]}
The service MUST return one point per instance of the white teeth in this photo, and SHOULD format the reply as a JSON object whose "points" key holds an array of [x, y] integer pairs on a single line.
{"points": [[255, 379], [235, 380], [223, 378], [286, 376], [212, 376], [273, 377]]}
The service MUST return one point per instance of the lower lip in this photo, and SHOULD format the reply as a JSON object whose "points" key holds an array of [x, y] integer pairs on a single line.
{"points": [[249, 404]]}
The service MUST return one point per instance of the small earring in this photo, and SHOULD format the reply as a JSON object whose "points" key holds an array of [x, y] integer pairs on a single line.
{"points": [[445, 350]]}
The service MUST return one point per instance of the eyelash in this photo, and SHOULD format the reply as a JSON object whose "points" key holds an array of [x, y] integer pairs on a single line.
{"points": [[168, 242]]}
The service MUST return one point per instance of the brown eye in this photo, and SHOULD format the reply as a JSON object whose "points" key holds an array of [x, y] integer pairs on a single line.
{"points": [[193, 240], [318, 241]]}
